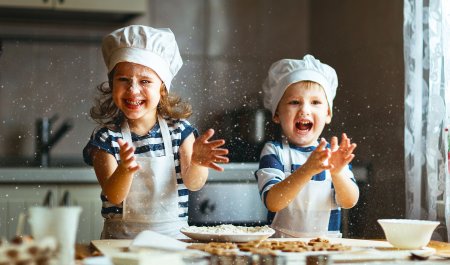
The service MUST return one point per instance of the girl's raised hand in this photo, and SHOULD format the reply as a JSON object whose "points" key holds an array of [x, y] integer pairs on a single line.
{"points": [[207, 153], [127, 158], [342, 154], [318, 160]]}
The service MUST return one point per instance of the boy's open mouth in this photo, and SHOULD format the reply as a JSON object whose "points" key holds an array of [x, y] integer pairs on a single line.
{"points": [[303, 125]]}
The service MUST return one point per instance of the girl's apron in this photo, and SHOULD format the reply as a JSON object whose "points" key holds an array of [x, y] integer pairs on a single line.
{"points": [[308, 214], [152, 202]]}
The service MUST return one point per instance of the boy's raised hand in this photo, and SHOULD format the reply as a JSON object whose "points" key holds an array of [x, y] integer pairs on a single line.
{"points": [[342, 154], [317, 161], [127, 158], [207, 153]]}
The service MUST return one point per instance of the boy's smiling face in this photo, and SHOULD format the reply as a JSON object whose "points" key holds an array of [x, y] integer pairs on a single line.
{"points": [[302, 113]]}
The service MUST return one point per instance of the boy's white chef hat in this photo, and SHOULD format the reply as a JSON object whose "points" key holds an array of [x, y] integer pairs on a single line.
{"points": [[151, 47], [288, 71]]}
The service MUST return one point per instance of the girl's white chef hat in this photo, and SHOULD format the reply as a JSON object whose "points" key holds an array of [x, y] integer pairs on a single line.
{"points": [[288, 71], [151, 47]]}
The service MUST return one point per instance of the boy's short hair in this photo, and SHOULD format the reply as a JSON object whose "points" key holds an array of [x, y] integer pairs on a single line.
{"points": [[289, 71]]}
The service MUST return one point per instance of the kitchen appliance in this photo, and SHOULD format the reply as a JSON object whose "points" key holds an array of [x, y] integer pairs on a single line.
{"points": [[246, 131], [232, 197], [228, 197]]}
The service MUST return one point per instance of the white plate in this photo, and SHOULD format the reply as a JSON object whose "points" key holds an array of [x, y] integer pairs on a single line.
{"points": [[238, 238]]}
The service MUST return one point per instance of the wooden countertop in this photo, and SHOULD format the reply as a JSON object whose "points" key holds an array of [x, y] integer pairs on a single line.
{"points": [[439, 246], [386, 253]]}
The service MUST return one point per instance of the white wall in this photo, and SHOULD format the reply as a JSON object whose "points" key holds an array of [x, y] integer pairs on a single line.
{"points": [[364, 41]]}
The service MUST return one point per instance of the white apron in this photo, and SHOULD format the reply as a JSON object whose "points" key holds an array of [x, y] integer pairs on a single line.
{"points": [[152, 202], [308, 214]]}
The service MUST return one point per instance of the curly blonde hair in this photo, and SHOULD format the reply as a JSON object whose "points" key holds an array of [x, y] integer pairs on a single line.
{"points": [[106, 113]]}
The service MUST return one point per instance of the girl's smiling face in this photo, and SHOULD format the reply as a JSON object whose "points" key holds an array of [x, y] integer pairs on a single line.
{"points": [[136, 91], [302, 113]]}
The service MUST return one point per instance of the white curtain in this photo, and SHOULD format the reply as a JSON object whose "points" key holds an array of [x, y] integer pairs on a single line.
{"points": [[426, 34]]}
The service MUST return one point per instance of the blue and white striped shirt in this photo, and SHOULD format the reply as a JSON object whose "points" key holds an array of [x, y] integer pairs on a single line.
{"points": [[271, 172], [149, 145]]}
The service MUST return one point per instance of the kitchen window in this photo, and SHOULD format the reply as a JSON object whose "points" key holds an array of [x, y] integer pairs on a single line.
{"points": [[426, 35]]}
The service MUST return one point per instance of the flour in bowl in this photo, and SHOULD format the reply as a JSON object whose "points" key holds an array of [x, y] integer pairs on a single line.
{"points": [[229, 229]]}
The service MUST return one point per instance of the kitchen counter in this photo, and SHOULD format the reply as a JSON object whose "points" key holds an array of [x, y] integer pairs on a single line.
{"points": [[77, 175], [364, 252], [232, 172]]}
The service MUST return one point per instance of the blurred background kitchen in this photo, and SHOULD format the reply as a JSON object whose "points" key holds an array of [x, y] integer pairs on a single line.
{"points": [[51, 63]]}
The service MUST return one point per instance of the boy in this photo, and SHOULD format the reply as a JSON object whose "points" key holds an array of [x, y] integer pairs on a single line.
{"points": [[302, 180]]}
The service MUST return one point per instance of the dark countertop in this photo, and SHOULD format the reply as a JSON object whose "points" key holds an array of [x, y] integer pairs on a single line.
{"points": [[233, 172], [29, 175]]}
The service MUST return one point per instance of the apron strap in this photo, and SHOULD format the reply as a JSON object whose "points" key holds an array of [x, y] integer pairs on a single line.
{"points": [[165, 135], [126, 134], [286, 154]]}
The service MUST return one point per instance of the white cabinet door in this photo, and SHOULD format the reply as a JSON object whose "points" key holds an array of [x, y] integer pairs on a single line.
{"points": [[16, 199], [27, 3], [115, 6], [91, 221]]}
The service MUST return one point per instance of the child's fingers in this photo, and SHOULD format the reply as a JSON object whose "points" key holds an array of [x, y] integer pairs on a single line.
{"points": [[326, 167], [334, 143], [134, 168], [351, 148], [131, 165], [128, 161], [348, 150], [344, 142], [220, 151], [216, 143], [322, 144], [321, 157], [215, 167], [124, 145], [220, 159], [206, 136], [127, 153], [127, 157], [349, 158]]}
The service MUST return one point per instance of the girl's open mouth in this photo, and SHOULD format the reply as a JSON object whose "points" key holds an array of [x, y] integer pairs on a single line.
{"points": [[134, 103], [303, 125]]}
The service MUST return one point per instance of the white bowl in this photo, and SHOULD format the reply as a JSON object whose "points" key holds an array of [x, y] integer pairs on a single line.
{"points": [[406, 233]]}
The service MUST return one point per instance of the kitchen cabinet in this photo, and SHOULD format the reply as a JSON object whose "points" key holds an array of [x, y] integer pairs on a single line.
{"points": [[119, 6], [91, 221], [27, 3], [114, 6], [17, 198]]}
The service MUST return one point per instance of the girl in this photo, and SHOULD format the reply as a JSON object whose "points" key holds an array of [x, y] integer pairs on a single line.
{"points": [[145, 155]]}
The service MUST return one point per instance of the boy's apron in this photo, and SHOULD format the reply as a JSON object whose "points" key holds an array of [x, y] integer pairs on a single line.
{"points": [[152, 202], [308, 214]]}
